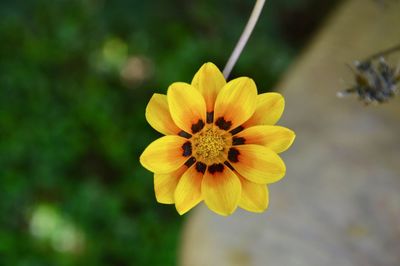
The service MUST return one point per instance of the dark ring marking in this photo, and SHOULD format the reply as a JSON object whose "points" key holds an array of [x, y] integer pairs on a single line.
{"points": [[238, 140], [210, 117], [233, 155], [184, 134], [217, 167], [223, 124], [190, 162], [201, 167], [187, 149], [229, 165], [198, 126], [236, 130]]}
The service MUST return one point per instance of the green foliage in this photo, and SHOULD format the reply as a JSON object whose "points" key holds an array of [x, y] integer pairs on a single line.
{"points": [[72, 118]]}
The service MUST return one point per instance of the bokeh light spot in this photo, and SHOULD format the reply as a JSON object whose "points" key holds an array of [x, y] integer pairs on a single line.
{"points": [[49, 226], [136, 70]]}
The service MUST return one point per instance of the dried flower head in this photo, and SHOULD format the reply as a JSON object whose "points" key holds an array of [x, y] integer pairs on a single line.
{"points": [[375, 81], [221, 145]]}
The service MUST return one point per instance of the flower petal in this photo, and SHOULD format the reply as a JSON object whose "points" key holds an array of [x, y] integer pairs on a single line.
{"points": [[235, 103], [269, 109], [221, 191], [158, 116], [254, 196], [187, 107], [257, 163], [276, 138], [164, 155], [188, 191], [165, 185], [209, 81]]}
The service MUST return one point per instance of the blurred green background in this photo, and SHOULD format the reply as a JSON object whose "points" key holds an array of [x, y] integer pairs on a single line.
{"points": [[75, 78]]}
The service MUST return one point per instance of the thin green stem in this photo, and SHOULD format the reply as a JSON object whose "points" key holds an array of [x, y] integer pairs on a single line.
{"points": [[251, 23]]}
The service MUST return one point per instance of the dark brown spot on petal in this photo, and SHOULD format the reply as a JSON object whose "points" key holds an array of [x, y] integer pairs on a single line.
{"points": [[201, 167], [187, 149], [210, 117], [198, 126], [223, 124], [217, 167], [229, 165], [190, 162], [233, 155], [184, 134], [238, 140], [236, 130]]}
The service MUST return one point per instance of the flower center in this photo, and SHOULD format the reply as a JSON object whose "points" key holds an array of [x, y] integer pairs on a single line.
{"points": [[210, 145]]}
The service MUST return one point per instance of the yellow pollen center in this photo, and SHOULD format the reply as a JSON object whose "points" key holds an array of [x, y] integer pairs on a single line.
{"points": [[209, 144]]}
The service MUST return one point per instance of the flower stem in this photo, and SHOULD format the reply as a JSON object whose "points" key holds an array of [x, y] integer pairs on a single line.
{"points": [[255, 14], [383, 53]]}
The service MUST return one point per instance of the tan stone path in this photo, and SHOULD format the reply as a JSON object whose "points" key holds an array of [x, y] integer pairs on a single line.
{"points": [[339, 204]]}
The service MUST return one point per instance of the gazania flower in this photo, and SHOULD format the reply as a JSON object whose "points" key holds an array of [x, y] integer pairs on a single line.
{"points": [[221, 145]]}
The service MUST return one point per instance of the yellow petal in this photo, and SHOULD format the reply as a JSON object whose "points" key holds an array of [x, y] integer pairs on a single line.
{"points": [[269, 109], [221, 191], [209, 81], [158, 116], [258, 164], [254, 196], [187, 107], [235, 103], [165, 185], [164, 155], [276, 138], [188, 191]]}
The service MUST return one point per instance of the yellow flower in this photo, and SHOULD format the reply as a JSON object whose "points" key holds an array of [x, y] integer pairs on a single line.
{"points": [[220, 146]]}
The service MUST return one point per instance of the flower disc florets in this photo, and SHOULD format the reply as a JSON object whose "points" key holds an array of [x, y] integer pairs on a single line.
{"points": [[211, 145]]}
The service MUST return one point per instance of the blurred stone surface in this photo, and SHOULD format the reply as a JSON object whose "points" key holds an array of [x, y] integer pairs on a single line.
{"points": [[339, 203]]}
